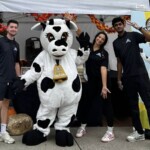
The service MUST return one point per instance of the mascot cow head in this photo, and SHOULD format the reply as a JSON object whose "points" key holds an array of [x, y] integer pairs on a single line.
{"points": [[56, 37]]}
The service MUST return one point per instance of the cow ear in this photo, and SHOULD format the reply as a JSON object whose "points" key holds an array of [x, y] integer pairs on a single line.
{"points": [[71, 25], [39, 26]]}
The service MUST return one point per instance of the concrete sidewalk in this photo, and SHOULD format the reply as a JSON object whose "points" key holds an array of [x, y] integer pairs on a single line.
{"points": [[91, 141]]}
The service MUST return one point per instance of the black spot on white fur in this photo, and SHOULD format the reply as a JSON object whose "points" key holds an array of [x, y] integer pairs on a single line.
{"points": [[46, 84], [68, 23], [71, 121], [76, 85], [43, 25], [60, 43], [80, 53], [37, 67], [57, 28], [43, 123], [51, 22]]}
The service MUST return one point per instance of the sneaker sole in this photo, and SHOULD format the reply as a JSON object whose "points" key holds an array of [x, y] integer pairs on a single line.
{"points": [[107, 141], [80, 136], [135, 140], [7, 141]]}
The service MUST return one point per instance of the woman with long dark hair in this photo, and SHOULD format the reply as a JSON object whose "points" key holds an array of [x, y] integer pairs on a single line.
{"points": [[98, 99]]}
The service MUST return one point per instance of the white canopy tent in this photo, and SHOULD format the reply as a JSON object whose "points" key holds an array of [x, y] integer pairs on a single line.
{"points": [[17, 9], [106, 7]]}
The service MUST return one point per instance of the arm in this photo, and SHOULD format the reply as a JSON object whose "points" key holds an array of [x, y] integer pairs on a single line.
{"points": [[17, 64], [70, 17], [119, 74], [105, 90], [119, 69], [146, 33], [17, 68], [35, 71], [79, 31], [83, 39], [104, 76]]}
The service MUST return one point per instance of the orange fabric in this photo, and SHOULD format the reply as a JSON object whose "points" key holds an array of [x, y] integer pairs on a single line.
{"points": [[11, 111]]}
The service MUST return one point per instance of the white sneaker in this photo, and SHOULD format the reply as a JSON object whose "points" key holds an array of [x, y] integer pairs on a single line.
{"points": [[108, 136], [135, 136], [5, 137], [80, 132]]}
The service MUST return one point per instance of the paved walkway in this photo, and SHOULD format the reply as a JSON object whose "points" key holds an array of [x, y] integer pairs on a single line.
{"points": [[91, 141]]}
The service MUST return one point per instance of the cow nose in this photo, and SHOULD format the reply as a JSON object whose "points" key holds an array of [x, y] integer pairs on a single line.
{"points": [[54, 50], [60, 43]]}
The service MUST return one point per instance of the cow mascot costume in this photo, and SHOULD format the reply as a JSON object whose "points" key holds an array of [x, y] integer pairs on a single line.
{"points": [[58, 83]]}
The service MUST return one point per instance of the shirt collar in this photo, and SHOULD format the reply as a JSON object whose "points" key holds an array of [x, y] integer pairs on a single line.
{"points": [[124, 34], [8, 40]]}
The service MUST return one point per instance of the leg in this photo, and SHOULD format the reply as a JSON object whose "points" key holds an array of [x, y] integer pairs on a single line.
{"points": [[94, 115], [144, 91], [108, 112], [4, 111], [83, 104], [45, 118], [65, 117], [82, 112], [5, 96], [131, 88]]}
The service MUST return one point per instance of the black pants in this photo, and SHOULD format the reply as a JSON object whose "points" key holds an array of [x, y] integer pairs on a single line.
{"points": [[133, 86], [92, 105]]}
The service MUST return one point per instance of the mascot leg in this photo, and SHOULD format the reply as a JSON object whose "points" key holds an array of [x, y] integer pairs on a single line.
{"points": [[41, 129], [66, 116]]}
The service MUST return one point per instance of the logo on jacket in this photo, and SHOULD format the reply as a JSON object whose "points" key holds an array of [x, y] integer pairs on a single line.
{"points": [[128, 41], [99, 54], [15, 49]]}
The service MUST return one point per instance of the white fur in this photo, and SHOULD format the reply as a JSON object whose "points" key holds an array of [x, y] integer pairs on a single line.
{"points": [[61, 100]]}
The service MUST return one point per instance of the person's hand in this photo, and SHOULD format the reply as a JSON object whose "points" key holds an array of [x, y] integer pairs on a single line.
{"points": [[120, 85], [18, 86], [70, 17], [83, 40], [104, 92], [133, 24]]}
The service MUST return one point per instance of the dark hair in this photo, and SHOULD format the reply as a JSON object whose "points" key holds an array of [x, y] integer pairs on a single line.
{"points": [[12, 21], [147, 21], [117, 19], [106, 38]]}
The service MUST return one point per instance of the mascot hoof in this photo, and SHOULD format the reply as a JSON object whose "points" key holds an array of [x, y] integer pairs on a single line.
{"points": [[33, 137], [63, 138], [147, 133]]}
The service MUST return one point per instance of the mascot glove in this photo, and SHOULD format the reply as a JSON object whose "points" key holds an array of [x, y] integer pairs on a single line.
{"points": [[18, 85], [84, 40], [120, 86]]}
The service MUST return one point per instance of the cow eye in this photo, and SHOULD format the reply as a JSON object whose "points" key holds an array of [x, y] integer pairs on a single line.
{"points": [[50, 36], [64, 36]]}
